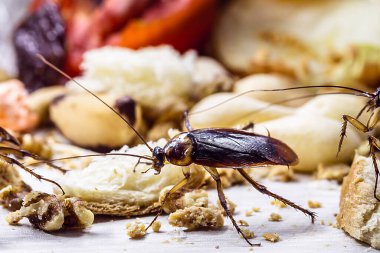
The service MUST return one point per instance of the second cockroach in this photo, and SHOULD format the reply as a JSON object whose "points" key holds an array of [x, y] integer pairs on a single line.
{"points": [[215, 148]]}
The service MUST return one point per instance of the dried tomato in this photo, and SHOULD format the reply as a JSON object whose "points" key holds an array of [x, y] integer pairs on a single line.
{"points": [[42, 32]]}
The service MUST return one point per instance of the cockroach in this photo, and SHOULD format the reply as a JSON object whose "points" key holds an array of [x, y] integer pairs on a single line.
{"points": [[372, 106], [213, 148], [6, 153]]}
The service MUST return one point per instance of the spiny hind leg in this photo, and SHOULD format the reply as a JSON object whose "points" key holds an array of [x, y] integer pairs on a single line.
{"points": [[264, 190], [374, 144], [223, 202], [373, 120], [175, 188]]}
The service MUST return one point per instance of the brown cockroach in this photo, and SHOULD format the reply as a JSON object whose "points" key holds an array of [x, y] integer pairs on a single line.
{"points": [[372, 106], [6, 153], [212, 148]]}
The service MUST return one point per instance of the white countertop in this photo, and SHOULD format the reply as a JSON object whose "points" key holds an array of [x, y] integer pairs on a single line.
{"points": [[296, 232]]}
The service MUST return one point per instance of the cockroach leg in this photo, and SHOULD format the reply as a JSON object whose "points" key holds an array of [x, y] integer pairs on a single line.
{"points": [[222, 198], [175, 188], [39, 177], [250, 125], [139, 162], [373, 120], [187, 121], [5, 136], [374, 144], [264, 190]]}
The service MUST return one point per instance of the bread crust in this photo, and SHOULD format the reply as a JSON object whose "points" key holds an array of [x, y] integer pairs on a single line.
{"points": [[359, 214]]}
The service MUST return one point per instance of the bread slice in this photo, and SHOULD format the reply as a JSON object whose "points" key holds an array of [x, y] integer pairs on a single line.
{"points": [[359, 212], [110, 186]]}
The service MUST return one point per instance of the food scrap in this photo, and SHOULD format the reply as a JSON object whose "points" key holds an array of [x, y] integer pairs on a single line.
{"points": [[275, 217], [51, 212], [243, 223], [278, 203], [156, 226], [15, 114], [248, 233], [197, 217], [314, 204], [251, 211], [272, 237], [135, 230]]}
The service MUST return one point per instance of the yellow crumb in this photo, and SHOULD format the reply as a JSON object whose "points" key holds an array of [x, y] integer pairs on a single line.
{"points": [[275, 217], [156, 226], [272, 237], [322, 222], [243, 223], [253, 210], [197, 217], [314, 204], [135, 230], [278, 203], [248, 233]]}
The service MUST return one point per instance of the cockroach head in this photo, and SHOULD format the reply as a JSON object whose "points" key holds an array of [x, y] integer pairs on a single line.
{"points": [[158, 158]]}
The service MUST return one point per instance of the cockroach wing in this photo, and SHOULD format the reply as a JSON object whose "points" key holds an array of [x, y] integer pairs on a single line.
{"points": [[230, 148]]}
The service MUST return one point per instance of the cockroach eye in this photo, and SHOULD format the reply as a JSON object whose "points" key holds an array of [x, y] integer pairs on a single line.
{"points": [[178, 150]]}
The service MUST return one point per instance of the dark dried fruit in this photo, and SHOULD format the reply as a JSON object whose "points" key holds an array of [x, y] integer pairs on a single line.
{"points": [[42, 32]]}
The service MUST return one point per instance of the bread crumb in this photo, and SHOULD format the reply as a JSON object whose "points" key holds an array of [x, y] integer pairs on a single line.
{"points": [[197, 217], [278, 203], [253, 210], [332, 172], [281, 173], [135, 230], [196, 198], [231, 206], [272, 237], [247, 233], [156, 226], [314, 204], [243, 223], [275, 217]]}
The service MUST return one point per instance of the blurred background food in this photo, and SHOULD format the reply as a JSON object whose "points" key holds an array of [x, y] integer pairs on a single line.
{"points": [[153, 59]]}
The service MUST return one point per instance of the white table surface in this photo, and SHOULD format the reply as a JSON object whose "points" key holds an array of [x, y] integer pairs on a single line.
{"points": [[296, 232]]}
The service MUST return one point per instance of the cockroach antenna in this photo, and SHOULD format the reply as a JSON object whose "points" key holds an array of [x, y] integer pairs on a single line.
{"points": [[51, 65]]}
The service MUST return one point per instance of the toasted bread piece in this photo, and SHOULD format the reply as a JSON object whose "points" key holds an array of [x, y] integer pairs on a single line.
{"points": [[359, 212]]}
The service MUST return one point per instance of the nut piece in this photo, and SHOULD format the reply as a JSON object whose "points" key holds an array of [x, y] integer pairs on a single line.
{"points": [[50, 212], [197, 217], [275, 217], [272, 237], [314, 204], [135, 230], [156, 226]]}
